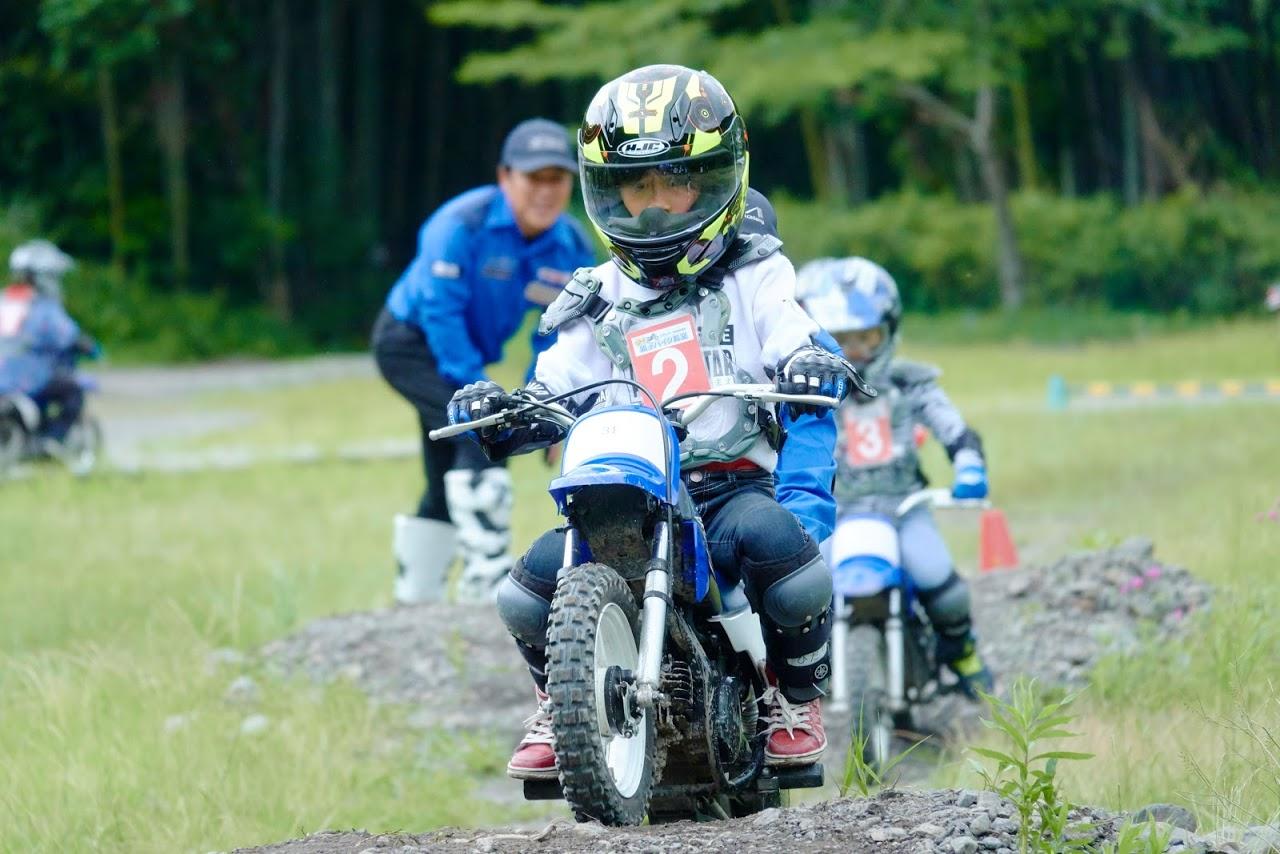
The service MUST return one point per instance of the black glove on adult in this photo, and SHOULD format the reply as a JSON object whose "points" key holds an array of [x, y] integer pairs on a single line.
{"points": [[813, 370]]}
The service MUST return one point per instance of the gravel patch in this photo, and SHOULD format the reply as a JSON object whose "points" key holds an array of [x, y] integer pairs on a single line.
{"points": [[893, 822], [455, 664], [458, 667]]}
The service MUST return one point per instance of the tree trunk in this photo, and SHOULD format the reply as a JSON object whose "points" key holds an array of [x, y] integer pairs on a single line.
{"points": [[847, 144], [966, 179], [1023, 135], [978, 132], [171, 127], [1067, 120], [439, 94], [278, 296], [810, 128], [1104, 161], [1129, 133], [115, 166], [328, 162], [368, 131], [1009, 268]]}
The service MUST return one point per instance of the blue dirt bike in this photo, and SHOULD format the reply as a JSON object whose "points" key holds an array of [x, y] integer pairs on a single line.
{"points": [[652, 656], [24, 437], [882, 647]]}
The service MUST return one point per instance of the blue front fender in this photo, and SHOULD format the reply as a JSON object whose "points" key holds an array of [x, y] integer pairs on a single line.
{"points": [[619, 470]]}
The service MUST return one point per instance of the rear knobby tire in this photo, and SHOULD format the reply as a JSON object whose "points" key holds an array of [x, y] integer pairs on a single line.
{"points": [[868, 708], [594, 624]]}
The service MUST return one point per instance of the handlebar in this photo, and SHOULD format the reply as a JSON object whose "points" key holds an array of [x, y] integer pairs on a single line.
{"points": [[761, 392], [938, 498], [551, 411]]}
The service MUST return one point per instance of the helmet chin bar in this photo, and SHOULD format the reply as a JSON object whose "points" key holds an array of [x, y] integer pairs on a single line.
{"points": [[659, 260]]}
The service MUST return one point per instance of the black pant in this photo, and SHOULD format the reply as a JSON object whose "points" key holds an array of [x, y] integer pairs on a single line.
{"points": [[409, 367], [61, 401]]}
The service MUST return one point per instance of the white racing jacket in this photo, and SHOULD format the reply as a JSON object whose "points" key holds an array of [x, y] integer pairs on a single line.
{"points": [[691, 338]]}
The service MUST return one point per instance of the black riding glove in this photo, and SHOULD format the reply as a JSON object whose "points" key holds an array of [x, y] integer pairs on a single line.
{"points": [[528, 433], [813, 370], [475, 401]]}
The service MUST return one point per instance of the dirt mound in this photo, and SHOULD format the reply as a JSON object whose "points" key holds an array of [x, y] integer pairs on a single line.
{"points": [[455, 663], [894, 822], [1056, 621], [458, 666]]}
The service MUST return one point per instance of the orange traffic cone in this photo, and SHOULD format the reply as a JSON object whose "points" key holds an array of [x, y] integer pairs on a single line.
{"points": [[995, 546]]}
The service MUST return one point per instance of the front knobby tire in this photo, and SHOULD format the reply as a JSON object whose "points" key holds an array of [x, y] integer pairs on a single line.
{"points": [[868, 700], [593, 626]]}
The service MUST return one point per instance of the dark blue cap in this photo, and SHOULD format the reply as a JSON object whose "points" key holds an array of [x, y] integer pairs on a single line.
{"points": [[536, 144]]}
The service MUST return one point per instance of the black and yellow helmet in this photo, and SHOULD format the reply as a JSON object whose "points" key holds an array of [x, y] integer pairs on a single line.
{"points": [[654, 135]]}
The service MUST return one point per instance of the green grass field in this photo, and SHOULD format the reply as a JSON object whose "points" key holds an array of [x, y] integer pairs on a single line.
{"points": [[114, 591]]}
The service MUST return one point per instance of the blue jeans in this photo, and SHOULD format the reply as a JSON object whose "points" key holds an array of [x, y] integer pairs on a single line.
{"points": [[752, 538]]}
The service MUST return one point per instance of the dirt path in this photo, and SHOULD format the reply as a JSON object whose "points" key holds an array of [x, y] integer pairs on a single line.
{"points": [[137, 405]]}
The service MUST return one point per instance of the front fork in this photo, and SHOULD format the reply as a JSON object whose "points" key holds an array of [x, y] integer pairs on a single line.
{"points": [[894, 655], [839, 647], [653, 621]]}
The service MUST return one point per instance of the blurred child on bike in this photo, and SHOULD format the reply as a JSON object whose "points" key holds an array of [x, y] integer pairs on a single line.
{"points": [[39, 342], [857, 301]]}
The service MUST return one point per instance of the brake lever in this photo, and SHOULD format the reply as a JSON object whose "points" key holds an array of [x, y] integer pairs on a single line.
{"points": [[673, 418], [860, 385]]}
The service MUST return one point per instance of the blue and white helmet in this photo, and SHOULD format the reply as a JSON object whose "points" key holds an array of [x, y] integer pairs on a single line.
{"points": [[42, 264], [852, 295]]}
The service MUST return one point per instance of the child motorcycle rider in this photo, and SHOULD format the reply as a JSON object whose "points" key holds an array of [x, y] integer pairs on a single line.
{"points": [[683, 306], [39, 342], [857, 301]]}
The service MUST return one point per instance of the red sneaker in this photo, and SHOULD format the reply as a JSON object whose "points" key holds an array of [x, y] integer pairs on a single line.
{"points": [[796, 734], [535, 757]]}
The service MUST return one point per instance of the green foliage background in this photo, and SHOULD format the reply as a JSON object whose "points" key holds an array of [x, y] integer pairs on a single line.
{"points": [[244, 176]]}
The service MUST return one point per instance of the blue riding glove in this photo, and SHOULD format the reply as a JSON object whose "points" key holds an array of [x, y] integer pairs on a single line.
{"points": [[813, 370], [473, 402], [971, 475]]}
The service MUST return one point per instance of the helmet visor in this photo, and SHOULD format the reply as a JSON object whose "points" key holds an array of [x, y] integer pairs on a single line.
{"points": [[656, 201]]}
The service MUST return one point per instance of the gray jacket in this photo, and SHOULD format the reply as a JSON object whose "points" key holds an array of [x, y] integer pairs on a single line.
{"points": [[876, 460]]}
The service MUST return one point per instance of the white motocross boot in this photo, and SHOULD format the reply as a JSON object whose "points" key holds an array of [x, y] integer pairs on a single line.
{"points": [[424, 548], [480, 505]]}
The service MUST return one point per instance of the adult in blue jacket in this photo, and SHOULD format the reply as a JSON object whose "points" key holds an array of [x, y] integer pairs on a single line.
{"points": [[485, 259]]}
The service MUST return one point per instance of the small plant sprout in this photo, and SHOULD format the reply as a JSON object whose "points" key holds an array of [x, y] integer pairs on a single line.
{"points": [[1025, 772]]}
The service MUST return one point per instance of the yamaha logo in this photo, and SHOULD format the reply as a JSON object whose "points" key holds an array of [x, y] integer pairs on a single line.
{"points": [[644, 147], [821, 671]]}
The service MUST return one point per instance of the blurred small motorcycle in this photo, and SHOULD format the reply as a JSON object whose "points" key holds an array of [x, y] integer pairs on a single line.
{"points": [[24, 433], [882, 646]]}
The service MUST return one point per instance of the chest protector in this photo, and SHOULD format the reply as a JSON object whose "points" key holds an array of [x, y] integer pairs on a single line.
{"points": [[702, 300], [15, 306]]}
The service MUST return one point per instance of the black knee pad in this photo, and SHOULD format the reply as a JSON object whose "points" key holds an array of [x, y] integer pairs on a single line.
{"points": [[524, 612], [948, 607], [796, 616], [536, 658]]}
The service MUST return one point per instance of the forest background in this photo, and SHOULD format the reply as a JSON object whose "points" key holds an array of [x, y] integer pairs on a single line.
{"points": [[249, 175]]}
